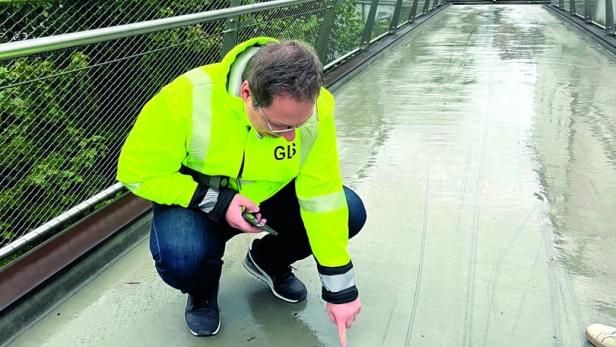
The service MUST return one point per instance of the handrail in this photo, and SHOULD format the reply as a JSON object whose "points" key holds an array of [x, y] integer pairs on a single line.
{"points": [[45, 44]]}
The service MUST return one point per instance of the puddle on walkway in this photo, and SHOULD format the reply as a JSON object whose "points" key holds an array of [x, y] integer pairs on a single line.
{"points": [[486, 145]]}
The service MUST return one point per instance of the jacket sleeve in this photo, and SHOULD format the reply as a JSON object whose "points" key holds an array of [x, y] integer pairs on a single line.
{"points": [[324, 210], [152, 155]]}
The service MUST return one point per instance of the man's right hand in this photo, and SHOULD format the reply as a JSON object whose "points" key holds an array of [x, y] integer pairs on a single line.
{"points": [[234, 214], [343, 316]]}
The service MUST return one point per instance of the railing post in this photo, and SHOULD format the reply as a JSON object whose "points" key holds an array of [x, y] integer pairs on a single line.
{"points": [[231, 28], [396, 18], [365, 39], [426, 6], [326, 29], [413, 11], [609, 17], [587, 16]]}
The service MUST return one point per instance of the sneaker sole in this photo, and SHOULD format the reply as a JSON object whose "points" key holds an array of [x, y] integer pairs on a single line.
{"points": [[265, 279], [592, 340], [212, 334]]}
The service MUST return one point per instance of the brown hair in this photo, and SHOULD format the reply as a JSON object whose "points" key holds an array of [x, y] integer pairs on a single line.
{"points": [[287, 68]]}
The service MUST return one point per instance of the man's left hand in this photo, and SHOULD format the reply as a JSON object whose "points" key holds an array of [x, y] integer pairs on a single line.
{"points": [[343, 316]]}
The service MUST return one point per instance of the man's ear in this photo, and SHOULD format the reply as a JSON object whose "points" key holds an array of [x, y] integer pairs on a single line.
{"points": [[245, 92]]}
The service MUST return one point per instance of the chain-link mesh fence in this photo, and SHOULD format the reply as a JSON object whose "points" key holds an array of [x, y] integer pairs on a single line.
{"points": [[26, 19], [347, 29], [296, 22], [65, 114]]}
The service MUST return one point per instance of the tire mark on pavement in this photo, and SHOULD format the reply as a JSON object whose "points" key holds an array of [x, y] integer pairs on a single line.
{"points": [[391, 314], [422, 253], [472, 262], [495, 274], [538, 254]]}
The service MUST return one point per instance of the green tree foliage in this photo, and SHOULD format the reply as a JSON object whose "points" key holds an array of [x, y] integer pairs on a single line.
{"points": [[347, 29], [44, 152]]}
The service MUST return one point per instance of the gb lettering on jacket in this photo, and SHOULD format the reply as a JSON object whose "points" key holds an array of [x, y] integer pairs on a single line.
{"points": [[285, 152]]}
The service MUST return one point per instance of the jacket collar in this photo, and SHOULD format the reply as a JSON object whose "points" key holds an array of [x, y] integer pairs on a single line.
{"points": [[234, 102]]}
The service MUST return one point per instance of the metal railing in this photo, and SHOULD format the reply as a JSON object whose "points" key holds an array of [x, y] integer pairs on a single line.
{"points": [[69, 96], [596, 12]]}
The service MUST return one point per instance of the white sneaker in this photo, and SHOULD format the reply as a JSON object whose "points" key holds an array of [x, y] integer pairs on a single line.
{"points": [[601, 335]]}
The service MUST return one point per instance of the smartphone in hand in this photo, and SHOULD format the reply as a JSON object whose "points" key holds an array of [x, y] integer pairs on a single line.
{"points": [[252, 220]]}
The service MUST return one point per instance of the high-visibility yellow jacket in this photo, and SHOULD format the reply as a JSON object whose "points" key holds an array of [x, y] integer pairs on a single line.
{"points": [[196, 122]]}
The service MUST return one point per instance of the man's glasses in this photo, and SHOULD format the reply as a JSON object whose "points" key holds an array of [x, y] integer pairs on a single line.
{"points": [[278, 129]]}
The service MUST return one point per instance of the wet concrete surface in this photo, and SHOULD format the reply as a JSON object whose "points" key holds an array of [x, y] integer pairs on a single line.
{"points": [[484, 146]]}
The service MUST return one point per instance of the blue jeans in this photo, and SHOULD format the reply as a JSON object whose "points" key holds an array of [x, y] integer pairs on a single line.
{"points": [[188, 247]]}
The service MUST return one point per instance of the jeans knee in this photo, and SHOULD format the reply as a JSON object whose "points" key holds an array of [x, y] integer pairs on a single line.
{"points": [[186, 248], [357, 212], [183, 266], [178, 271]]}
